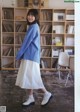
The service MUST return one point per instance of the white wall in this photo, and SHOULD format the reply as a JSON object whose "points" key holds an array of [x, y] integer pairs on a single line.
{"points": [[77, 57], [60, 4]]}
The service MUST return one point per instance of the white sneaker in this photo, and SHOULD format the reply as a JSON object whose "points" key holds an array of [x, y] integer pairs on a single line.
{"points": [[46, 98], [30, 101]]}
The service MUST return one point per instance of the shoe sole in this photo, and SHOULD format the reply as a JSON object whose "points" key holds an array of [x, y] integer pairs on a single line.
{"points": [[47, 102], [28, 105]]}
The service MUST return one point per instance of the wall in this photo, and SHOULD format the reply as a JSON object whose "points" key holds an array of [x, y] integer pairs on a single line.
{"points": [[52, 3], [60, 4], [77, 57]]}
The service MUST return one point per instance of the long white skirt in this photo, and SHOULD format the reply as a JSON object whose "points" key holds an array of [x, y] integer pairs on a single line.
{"points": [[29, 76]]}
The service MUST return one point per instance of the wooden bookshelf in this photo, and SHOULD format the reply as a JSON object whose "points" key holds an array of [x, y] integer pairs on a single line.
{"points": [[57, 34]]}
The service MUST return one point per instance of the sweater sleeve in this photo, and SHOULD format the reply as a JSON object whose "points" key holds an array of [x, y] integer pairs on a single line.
{"points": [[27, 40]]}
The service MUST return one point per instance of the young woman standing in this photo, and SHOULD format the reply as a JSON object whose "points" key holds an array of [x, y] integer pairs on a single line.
{"points": [[29, 76]]}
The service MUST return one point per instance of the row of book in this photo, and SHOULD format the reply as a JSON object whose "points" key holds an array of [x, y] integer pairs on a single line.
{"points": [[46, 28], [8, 51], [19, 39], [8, 40], [7, 27], [45, 52], [70, 29], [46, 15], [62, 16], [8, 13], [56, 52], [60, 41], [11, 64], [43, 64], [47, 63], [21, 27], [69, 41], [60, 29], [10, 27], [45, 40]]}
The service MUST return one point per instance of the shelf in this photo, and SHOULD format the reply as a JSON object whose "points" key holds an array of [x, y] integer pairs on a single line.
{"points": [[56, 29]]}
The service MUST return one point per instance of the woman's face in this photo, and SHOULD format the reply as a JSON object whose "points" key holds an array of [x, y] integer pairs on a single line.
{"points": [[31, 18]]}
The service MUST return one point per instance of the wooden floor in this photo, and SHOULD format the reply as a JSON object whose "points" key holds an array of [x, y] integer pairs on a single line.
{"points": [[12, 97]]}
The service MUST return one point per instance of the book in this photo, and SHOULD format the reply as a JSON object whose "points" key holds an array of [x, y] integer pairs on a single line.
{"points": [[7, 27], [43, 40], [44, 64], [42, 52], [70, 29], [45, 28], [69, 51], [58, 29], [54, 63], [8, 40], [55, 52], [46, 15], [58, 16], [8, 52], [69, 41], [8, 14], [5, 51], [20, 27], [58, 41], [69, 17]]}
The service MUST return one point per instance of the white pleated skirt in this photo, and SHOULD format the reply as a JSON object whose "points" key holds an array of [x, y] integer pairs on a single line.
{"points": [[29, 76]]}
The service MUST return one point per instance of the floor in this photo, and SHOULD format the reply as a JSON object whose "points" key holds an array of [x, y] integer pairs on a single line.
{"points": [[12, 96]]}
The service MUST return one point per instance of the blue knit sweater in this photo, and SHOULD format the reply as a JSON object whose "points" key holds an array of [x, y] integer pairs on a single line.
{"points": [[30, 48]]}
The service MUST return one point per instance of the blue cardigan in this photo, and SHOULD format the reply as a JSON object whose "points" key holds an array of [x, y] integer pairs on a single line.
{"points": [[30, 49]]}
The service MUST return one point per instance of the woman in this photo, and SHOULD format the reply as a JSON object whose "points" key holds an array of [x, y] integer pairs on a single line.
{"points": [[29, 76]]}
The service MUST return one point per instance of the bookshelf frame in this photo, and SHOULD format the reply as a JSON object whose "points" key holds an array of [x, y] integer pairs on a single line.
{"points": [[49, 36]]}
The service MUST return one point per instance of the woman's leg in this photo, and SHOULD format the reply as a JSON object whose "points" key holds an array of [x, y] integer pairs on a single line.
{"points": [[30, 99], [30, 91], [46, 98]]}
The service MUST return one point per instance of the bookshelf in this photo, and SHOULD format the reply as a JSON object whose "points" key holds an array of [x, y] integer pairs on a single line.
{"points": [[59, 37], [57, 34]]}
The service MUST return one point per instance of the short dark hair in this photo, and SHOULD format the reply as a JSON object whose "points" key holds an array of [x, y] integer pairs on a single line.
{"points": [[35, 13]]}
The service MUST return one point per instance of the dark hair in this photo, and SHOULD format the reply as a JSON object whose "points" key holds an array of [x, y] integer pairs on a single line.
{"points": [[33, 12]]}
